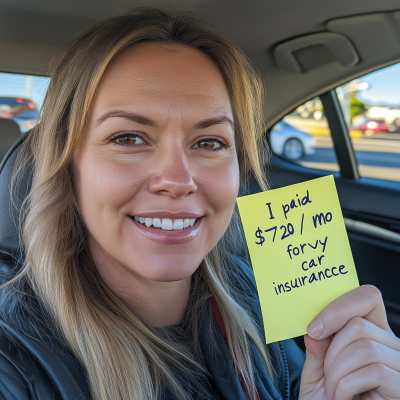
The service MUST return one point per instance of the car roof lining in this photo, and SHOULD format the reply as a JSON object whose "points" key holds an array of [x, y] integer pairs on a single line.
{"points": [[376, 38], [33, 35]]}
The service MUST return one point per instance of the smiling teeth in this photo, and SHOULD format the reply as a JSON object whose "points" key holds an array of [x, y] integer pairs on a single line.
{"points": [[166, 224]]}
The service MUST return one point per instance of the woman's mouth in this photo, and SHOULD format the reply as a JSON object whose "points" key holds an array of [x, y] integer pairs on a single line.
{"points": [[166, 224], [168, 230]]}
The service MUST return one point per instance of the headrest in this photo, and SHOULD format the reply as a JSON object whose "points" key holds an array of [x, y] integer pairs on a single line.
{"points": [[10, 133], [11, 247]]}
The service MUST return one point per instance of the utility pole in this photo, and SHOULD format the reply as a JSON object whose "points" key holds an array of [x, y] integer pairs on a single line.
{"points": [[28, 86]]}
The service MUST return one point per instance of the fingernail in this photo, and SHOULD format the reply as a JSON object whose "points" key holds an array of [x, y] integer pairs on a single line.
{"points": [[316, 329]]}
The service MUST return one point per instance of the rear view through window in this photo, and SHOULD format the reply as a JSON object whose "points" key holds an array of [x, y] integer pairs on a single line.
{"points": [[21, 97]]}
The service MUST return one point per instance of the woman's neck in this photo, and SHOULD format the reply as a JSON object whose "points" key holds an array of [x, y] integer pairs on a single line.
{"points": [[159, 304]]}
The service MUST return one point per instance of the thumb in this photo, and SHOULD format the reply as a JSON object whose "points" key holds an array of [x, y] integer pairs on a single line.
{"points": [[313, 370]]}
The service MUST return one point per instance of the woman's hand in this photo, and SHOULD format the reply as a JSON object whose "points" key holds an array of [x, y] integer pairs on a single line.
{"points": [[361, 361]]}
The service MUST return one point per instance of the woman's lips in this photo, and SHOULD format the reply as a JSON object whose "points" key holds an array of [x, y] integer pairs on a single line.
{"points": [[169, 236]]}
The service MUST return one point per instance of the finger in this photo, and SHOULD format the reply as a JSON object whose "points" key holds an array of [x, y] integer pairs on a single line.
{"points": [[313, 370], [365, 301], [374, 377], [356, 356], [355, 329]]}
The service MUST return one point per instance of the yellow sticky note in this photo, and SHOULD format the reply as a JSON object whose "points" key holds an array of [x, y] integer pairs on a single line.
{"points": [[300, 253]]}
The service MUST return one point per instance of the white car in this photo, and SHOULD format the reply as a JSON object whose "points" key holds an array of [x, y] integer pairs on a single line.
{"points": [[290, 142]]}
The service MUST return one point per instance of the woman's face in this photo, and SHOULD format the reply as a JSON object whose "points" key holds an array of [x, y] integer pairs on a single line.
{"points": [[158, 147]]}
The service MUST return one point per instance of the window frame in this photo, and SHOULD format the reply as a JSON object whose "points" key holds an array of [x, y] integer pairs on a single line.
{"points": [[344, 150]]}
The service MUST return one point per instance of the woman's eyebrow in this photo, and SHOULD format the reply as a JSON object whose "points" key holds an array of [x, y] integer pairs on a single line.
{"points": [[140, 119], [214, 121]]}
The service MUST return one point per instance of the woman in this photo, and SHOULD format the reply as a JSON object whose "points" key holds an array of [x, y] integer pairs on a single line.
{"points": [[132, 286]]}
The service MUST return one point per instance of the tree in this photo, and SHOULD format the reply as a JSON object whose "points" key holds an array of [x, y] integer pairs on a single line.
{"points": [[357, 107]]}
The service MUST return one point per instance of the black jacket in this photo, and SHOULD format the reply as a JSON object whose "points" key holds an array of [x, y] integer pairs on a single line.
{"points": [[34, 365]]}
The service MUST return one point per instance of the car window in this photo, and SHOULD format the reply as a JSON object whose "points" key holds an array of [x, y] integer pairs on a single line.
{"points": [[303, 137], [371, 109], [21, 97]]}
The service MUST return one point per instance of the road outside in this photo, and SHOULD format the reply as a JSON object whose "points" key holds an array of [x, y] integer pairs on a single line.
{"points": [[377, 156]]}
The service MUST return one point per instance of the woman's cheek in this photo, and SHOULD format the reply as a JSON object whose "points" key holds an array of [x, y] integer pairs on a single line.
{"points": [[220, 186], [104, 188]]}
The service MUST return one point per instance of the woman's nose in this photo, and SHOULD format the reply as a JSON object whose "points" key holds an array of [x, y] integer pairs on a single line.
{"points": [[172, 176]]}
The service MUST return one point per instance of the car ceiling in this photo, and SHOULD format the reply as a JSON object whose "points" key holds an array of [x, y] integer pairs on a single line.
{"points": [[33, 32]]}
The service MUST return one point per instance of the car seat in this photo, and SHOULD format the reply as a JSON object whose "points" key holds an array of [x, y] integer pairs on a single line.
{"points": [[9, 134], [11, 247]]}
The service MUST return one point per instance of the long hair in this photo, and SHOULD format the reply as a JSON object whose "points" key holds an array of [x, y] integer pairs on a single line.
{"points": [[124, 358]]}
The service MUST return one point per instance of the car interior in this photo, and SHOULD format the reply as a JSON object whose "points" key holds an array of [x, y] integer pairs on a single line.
{"points": [[330, 74]]}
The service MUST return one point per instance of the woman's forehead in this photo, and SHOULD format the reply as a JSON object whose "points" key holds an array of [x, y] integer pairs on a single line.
{"points": [[164, 74]]}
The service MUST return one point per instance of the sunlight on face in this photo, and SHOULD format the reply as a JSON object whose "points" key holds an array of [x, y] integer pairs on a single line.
{"points": [[159, 149]]}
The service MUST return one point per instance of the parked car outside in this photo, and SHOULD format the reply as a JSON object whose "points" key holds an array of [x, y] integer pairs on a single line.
{"points": [[26, 119], [290, 142], [373, 126], [22, 111]]}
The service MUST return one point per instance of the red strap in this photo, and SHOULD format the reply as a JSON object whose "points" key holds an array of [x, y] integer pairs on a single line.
{"points": [[221, 325]]}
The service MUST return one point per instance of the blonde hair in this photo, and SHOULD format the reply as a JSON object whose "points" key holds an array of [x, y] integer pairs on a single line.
{"points": [[123, 357]]}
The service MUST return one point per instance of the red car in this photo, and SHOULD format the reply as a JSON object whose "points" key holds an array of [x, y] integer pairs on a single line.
{"points": [[373, 126]]}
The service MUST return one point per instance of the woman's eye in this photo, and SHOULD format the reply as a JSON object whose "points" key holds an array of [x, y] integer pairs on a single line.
{"points": [[129, 140], [208, 144]]}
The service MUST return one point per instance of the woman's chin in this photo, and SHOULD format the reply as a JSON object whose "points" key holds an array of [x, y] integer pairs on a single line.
{"points": [[151, 266], [165, 271], [174, 277]]}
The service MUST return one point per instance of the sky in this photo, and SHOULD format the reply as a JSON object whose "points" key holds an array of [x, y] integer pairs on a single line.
{"points": [[383, 87]]}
